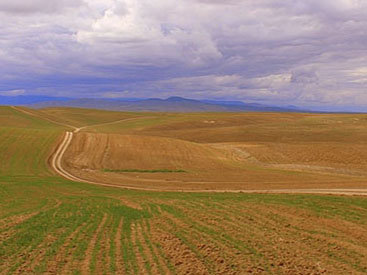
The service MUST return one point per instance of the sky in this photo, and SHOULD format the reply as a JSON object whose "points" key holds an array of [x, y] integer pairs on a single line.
{"points": [[291, 52]]}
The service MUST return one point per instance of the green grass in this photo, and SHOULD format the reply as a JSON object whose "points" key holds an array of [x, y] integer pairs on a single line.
{"points": [[144, 171], [83, 117], [25, 151]]}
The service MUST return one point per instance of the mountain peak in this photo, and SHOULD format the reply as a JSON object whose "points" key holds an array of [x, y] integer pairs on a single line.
{"points": [[177, 98]]}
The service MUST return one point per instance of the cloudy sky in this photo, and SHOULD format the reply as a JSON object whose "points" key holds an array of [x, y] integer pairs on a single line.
{"points": [[300, 52]]}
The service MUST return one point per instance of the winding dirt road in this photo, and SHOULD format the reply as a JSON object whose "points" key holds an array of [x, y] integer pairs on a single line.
{"points": [[56, 164]]}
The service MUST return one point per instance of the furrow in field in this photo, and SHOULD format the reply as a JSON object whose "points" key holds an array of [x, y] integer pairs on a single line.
{"points": [[161, 263], [11, 222], [310, 243], [217, 220], [130, 203], [101, 255], [149, 257], [212, 225], [266, 233], [261, 235], [118, 255], [143, 266], [35, 256], [304, 221], [47, 251], [61, 258], [331, 244], [219, 254], [177, 249], [263, 231], [128, 254], [24, 250], [5, 235], [74, 252], [85, 268]]}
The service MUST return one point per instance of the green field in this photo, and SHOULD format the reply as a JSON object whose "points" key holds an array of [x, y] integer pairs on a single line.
{"points": [[51, 225]]}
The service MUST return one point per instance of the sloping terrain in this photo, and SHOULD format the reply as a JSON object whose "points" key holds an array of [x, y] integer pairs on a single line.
{"points": [[127, 160], [49, 225], [26, 143], [142, 152], [257, 151], [337, 155]]}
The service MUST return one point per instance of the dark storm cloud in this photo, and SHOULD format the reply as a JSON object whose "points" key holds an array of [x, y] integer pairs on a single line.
{"points": [[284, 52]]}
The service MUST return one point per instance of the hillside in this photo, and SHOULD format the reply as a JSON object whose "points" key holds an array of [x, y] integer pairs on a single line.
{"points": [[222, 151]]}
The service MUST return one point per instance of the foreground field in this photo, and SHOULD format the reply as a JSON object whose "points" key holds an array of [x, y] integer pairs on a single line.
{"points": [[51, 225], [55, 226]]}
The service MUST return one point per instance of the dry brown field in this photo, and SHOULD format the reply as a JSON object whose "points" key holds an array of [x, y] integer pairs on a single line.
{"points": [[239, 151]]}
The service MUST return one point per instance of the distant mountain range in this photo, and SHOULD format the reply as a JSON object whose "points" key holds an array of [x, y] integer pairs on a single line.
{"points": [[171, 104], [29, 99]]}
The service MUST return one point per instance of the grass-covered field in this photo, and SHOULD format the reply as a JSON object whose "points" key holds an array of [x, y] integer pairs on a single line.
{"points": [[51, 225]]}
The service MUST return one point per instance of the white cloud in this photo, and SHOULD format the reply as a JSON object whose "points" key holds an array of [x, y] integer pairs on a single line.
{"points": [[292, 51], [12, 92], [116, 94]]}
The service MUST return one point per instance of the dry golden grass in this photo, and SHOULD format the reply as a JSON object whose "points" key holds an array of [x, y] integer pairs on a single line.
{"points": [[142, 152], [333, 154]]}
